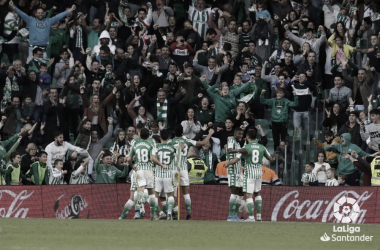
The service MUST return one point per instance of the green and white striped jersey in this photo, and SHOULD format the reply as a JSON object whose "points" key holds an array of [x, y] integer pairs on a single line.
{"points": [[79, 179], [166, 155], [143, 150], [233, 169], [188, 143], [312, 177], [343, 19], [56, 177], [199, 19], [252, 164], [331, 183]]}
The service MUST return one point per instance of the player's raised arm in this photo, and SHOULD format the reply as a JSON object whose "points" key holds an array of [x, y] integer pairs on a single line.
{"points": [[205, 140]]}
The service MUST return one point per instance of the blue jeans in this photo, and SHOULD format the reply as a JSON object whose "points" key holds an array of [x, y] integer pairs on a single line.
{"points": [[297, 118], [38, 114]]}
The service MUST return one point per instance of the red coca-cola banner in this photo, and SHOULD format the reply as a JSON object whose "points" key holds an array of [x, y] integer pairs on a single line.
{"points": [[209, 202], [319, 204]]}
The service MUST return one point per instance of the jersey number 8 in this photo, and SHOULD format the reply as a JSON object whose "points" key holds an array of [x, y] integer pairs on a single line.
{"points": [[255, 156]]}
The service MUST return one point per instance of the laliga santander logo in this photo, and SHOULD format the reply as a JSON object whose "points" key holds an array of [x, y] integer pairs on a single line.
{"points": [[338, 208], [346, 210], [325, 237]]}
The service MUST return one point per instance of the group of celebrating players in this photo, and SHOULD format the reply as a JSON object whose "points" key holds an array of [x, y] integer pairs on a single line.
{"points": [[157, 163]]}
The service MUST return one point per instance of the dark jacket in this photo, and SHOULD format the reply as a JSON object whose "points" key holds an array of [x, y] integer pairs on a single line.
{"points": [[354, 132], [10, 126], [337, 120], [26, 161], [152, 103], [36, 139], [317, 72], [29, 89], [51, 113]]}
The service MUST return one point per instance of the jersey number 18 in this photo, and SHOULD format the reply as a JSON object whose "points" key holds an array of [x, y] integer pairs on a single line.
{"points": [[142, 154]]}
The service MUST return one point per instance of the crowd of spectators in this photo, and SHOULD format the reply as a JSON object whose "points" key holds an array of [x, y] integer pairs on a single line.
{"points": [[96, 71]]}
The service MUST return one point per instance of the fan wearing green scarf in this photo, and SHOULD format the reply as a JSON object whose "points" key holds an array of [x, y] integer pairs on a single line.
{"points": [[160, 107]]}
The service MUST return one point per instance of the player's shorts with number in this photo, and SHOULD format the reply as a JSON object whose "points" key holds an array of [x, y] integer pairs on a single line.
{"points": [[184, 181], [165, 184], [145, 178], [235, 180], [251, 186]]}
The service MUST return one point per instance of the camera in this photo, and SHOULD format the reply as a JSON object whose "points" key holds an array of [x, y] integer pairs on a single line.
{"points": [[182, 40]]}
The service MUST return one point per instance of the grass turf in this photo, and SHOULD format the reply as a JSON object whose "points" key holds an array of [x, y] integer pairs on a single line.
{"points": [[129, 234]]}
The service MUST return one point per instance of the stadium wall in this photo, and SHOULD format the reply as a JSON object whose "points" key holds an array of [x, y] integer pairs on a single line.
{"points": [[209, 202]]}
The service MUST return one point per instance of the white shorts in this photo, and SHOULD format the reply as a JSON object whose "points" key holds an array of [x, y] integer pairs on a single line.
{"points": [[164, 184], [184, 182], [235, 180], [252, 186], [163, 194], [144, 178]]}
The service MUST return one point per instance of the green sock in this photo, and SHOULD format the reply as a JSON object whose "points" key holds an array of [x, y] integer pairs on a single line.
{"points": [[158, 209], [144, 197], [258, 202], [250, 206], [152, 205], [128, 206], [170, 204], [187, 203], [238, 204], [232, 204], [135, 198], [164, 207], [140, 196]]}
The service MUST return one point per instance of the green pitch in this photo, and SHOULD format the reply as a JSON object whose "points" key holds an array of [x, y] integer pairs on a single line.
{"points": [[145, 235]]}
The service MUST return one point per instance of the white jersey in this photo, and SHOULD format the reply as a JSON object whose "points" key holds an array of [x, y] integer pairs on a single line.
{"points": [[199, 19], [56, 177], [54, 152]]}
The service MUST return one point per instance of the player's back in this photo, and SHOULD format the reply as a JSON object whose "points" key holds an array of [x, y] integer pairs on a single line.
{"points": [[165, 155], [143, 150], [252, 165], [256, 152], [176, 143]]}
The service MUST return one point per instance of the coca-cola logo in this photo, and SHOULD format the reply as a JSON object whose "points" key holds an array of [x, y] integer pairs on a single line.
{"points": [[71, 210], [289, 207], [15, 208]]}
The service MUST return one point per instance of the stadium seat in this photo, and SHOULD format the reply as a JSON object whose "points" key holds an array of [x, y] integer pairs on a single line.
{"points": [[268, 115], [269, 134], [270, 146], [263, 123]]}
